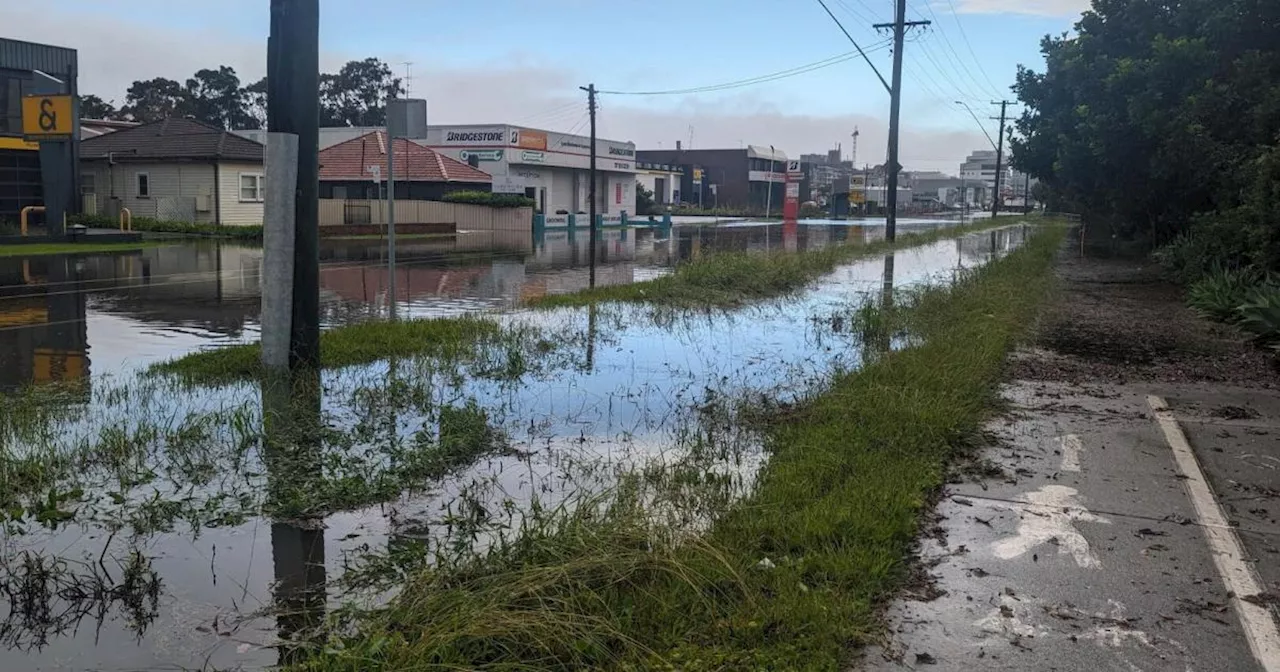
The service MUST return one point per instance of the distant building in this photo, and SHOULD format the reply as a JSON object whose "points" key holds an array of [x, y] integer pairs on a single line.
{"points": [[979, 173], [174, 169], [356, 169], [726, 178]]}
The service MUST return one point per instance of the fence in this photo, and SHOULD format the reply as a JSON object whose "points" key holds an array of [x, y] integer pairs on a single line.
{"points": [[462, 216]]}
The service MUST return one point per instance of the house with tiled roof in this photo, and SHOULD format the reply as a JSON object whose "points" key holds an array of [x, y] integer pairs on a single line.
{"points": [[174, 169], [357, 168]]}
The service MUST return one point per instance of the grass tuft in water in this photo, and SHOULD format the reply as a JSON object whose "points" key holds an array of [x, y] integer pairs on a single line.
{"points": [[447, 338], [789, 578]]}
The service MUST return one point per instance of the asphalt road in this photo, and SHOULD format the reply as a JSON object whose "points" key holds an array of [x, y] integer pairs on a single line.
{"points": [[1084, 543]]}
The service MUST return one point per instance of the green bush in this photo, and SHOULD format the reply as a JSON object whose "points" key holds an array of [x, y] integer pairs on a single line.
{"points": [[1219, 294], [1260, 315], [486, 198], [239, 232]]}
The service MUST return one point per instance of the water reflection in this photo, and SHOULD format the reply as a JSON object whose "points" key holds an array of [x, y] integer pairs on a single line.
{"points": [[43, 336], [293, 425]]}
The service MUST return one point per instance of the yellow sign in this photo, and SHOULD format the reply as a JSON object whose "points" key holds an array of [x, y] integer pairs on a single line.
{"points": [[857, 197], [48, 117], [697, 174]]}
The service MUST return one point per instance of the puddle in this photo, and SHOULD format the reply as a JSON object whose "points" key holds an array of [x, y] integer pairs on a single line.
{"points": [[162, 560]]}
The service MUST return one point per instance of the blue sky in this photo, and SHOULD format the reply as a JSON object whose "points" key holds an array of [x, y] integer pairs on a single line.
{"points": [[522, 60]]}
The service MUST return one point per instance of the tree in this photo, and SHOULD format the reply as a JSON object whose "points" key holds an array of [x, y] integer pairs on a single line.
{"points": [[153, 100], [1154, 113], [644, 201], [215, 97], [357, 95], [93, 107], [255, 98]]}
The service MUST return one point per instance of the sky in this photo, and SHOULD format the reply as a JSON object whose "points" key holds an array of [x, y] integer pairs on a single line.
{"points": [[522, 62]]}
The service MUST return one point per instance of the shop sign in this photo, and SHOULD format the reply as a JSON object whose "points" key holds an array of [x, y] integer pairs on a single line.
{"points": [[527, 139], [481, 154], [533, 157], [477, 136]]}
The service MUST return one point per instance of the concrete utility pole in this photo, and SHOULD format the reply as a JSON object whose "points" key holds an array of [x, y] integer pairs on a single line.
{"points": [[591, 108], [899, 26], [293, 98], [391, 224], [995, 201]]}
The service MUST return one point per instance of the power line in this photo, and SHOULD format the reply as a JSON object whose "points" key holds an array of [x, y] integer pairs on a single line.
{"points": [[956, 55], [761, 79], [969, 45], [887, 87]]}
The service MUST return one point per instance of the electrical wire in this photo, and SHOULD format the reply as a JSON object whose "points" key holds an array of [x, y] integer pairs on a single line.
{"points": [[771, 77], [855, 45], [969, 45], [991, 89]]}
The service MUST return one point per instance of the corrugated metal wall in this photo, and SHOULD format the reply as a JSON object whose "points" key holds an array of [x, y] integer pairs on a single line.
{"points": [[18, 55]]}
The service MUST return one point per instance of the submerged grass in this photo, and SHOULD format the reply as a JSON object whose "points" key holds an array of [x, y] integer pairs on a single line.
{"points": [[45, 249], [789, 578], [732, 278], [446, 337]]}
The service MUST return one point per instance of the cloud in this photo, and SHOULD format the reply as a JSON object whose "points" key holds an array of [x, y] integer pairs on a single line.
{"points": [[1054, 8], [512, 88]]}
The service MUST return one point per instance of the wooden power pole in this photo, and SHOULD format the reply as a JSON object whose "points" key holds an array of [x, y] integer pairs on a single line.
{"points": [[899, 26], [591, 108], [995, 201]]}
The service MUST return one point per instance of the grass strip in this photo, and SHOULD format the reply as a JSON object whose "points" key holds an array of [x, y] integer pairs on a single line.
{"points": [[789, 579], [348, 345], [46, 249], [733, 278]]}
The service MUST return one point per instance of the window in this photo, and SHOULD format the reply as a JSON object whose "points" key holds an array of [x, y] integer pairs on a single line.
{"points": [[88, 183], [251, 187], [144, 185]]}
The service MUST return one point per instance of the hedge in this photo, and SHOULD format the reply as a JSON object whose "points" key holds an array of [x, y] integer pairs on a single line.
{"points": [[486, 198], [239, 232]]}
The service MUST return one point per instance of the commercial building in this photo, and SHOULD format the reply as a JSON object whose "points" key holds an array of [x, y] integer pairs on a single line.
{"points": [[549, 167], [661, 180], [726, 178], [979, 173], [26, 172], [176, 170]]}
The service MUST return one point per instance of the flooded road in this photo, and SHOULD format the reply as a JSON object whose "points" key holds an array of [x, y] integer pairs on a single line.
{"points": [[155, 555]]}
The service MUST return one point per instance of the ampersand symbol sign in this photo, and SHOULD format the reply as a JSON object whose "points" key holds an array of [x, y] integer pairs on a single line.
{"points": [[48, 117]]}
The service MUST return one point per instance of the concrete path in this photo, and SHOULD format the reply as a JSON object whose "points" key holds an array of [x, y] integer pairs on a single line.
{"points": [[1094, 536]]}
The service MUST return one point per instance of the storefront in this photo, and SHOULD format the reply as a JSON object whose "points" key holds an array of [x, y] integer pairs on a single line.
{"points": [[552, 168]]}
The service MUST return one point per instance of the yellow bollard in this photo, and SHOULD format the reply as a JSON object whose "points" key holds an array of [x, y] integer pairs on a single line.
{"points": [[126, 220], [22, 216]]}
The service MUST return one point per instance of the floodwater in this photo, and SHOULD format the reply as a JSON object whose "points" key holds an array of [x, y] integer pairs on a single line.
{"points": [[615, 389]]}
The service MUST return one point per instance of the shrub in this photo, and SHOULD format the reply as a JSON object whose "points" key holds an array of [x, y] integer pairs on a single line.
{"points": [[1219, 294], [239, 232], [1260, 315], [486, 198]]}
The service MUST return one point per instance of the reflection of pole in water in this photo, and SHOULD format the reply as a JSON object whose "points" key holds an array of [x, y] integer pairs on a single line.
{"points": [[591, 337], [886, 303], [292, 423]]}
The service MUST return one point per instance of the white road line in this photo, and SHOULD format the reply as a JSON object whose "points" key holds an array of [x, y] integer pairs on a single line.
{"points": [[1071, 448], [1238, 575]]}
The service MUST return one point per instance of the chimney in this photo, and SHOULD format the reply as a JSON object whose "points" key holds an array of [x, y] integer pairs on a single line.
{"points": [[677, 145]]}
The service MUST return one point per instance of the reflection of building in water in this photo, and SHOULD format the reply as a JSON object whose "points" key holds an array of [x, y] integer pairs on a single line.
{"points": [[212, 285], [42, 322]]}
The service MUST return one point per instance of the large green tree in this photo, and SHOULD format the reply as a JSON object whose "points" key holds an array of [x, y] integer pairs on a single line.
{"points": [[1154, 113], [357, 94], [216, 98]]}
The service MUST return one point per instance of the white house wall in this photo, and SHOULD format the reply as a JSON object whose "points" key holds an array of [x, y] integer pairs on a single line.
{"points": [[184, 180], [234, 211]]}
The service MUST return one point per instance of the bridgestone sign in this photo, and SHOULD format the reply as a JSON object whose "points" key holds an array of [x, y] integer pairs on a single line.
{"points": [[481, 137]]}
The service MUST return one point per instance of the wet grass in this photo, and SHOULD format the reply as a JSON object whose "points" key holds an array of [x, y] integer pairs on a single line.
{"points": [[733, 278], [45, 249], [454, 338], [789, 578]]}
